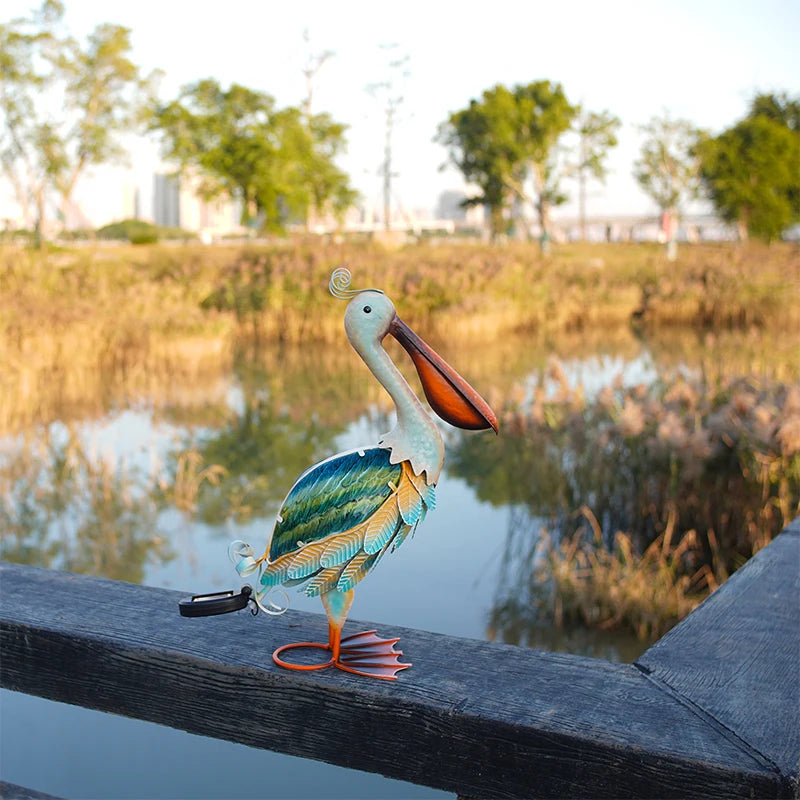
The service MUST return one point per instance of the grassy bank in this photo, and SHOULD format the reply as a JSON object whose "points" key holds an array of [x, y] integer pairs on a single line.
{"points": [[280, 291]]}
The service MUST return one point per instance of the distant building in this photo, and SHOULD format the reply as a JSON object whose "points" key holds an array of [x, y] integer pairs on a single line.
{"points": [[214, 218], [177, 204], [129, 201], [166, 200], [451, 205]]}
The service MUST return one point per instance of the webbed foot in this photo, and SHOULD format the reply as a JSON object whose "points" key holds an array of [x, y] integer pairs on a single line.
{"points": [[367, 654]]}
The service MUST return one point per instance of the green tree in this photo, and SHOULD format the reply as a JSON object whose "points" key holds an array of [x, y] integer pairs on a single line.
{"points": [[597, 132], [327, 187], [277, 162], [25, 139], [667, 169], [505, 143], [545, 115], [107, 95], [779, 108], [785, 110], [96, 88], [752, 170]]}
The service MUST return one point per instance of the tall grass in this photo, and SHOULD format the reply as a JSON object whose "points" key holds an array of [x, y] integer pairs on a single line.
{"points": [[616, 587], [280, 291], [638, 501]]}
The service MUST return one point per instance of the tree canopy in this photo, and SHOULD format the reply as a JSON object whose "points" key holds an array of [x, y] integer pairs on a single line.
{"points": [[280, 163], [667, 169], [505, 144], [751, 171], [597, 134], [779, 108], [64, 105]]}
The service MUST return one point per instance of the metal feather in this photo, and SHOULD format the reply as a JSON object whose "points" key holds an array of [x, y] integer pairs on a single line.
{"points": [[307, 560], [426, 490], [277, 572], [400, 537], [382, 526], [342, 547], [409, 501], [356, 570], [333, 497], [324, 581]]}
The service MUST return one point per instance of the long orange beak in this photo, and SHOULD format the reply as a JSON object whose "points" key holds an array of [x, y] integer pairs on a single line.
{"points": [[449, 395]]}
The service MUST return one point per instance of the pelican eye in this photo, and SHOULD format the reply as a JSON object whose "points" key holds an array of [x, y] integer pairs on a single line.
{"points": [[367, 309]]}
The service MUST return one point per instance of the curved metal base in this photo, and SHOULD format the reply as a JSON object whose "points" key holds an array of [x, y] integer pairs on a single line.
{"points": [[361, 654], [286, 665]]}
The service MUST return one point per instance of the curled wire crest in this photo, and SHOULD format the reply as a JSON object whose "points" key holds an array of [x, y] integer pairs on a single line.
{"points": [[339, 285]]}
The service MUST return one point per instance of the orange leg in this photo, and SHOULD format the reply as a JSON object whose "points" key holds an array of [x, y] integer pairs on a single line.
{"points": [[362, 653], [337, 604], [334, 641]]}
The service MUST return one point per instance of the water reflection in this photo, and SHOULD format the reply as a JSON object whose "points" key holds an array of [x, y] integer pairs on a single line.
{"points": [[68, 508]]}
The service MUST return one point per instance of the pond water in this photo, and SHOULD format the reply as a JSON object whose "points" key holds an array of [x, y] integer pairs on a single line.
{"points": [[151, 484]]}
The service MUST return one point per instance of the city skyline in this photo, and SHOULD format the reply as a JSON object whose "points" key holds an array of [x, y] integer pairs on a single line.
{"points": [[702, 61]]}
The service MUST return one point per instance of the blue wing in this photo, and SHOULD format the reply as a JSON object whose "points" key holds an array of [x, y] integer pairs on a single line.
{"points": [[334, 496]]}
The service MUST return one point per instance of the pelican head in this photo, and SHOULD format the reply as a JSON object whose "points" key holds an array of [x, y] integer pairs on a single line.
{"points": [[371, 315], [368, 318]]}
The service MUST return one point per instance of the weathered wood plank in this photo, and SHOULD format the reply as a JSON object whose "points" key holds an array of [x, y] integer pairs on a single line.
{"points": [[471, 717], [10, 791], [737, 657]]}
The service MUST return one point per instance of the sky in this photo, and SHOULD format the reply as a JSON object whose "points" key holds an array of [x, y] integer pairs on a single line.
{"points": [[702, 60]]}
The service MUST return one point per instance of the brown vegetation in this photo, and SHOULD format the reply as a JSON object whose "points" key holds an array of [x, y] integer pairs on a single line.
{"points": [[655, 494]]}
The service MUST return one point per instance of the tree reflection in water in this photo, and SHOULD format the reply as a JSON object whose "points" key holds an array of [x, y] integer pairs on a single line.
{"points": [[68, 508], [66, 505]]}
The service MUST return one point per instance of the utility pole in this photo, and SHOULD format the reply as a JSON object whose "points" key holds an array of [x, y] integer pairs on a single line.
{"points": [[597, 134], [392, 99], [391, 108], [582, 155], [314, 62]]}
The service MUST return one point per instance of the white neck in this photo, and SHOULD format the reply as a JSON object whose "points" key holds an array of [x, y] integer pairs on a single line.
{"points": [[415, 438]]}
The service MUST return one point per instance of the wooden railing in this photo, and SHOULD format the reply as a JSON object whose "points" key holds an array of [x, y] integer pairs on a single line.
{"points": [[711, 710]]}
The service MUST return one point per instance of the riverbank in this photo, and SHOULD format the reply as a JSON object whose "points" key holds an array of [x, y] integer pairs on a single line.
{"points": [[279, 291]]}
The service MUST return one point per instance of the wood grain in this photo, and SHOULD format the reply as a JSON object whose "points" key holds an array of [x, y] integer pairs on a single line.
{"points": [[737, 656], [10, 791], [474, 718]]}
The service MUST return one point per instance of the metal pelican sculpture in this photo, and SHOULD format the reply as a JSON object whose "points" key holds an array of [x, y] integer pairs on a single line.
{"points": [[345, 513]]}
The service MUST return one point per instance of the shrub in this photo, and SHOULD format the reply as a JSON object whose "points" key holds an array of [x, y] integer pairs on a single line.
{"points": [[136, 231]]}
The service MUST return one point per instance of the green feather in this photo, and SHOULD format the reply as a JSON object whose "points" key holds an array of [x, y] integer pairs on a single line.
{"points": [[332, 497]]}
